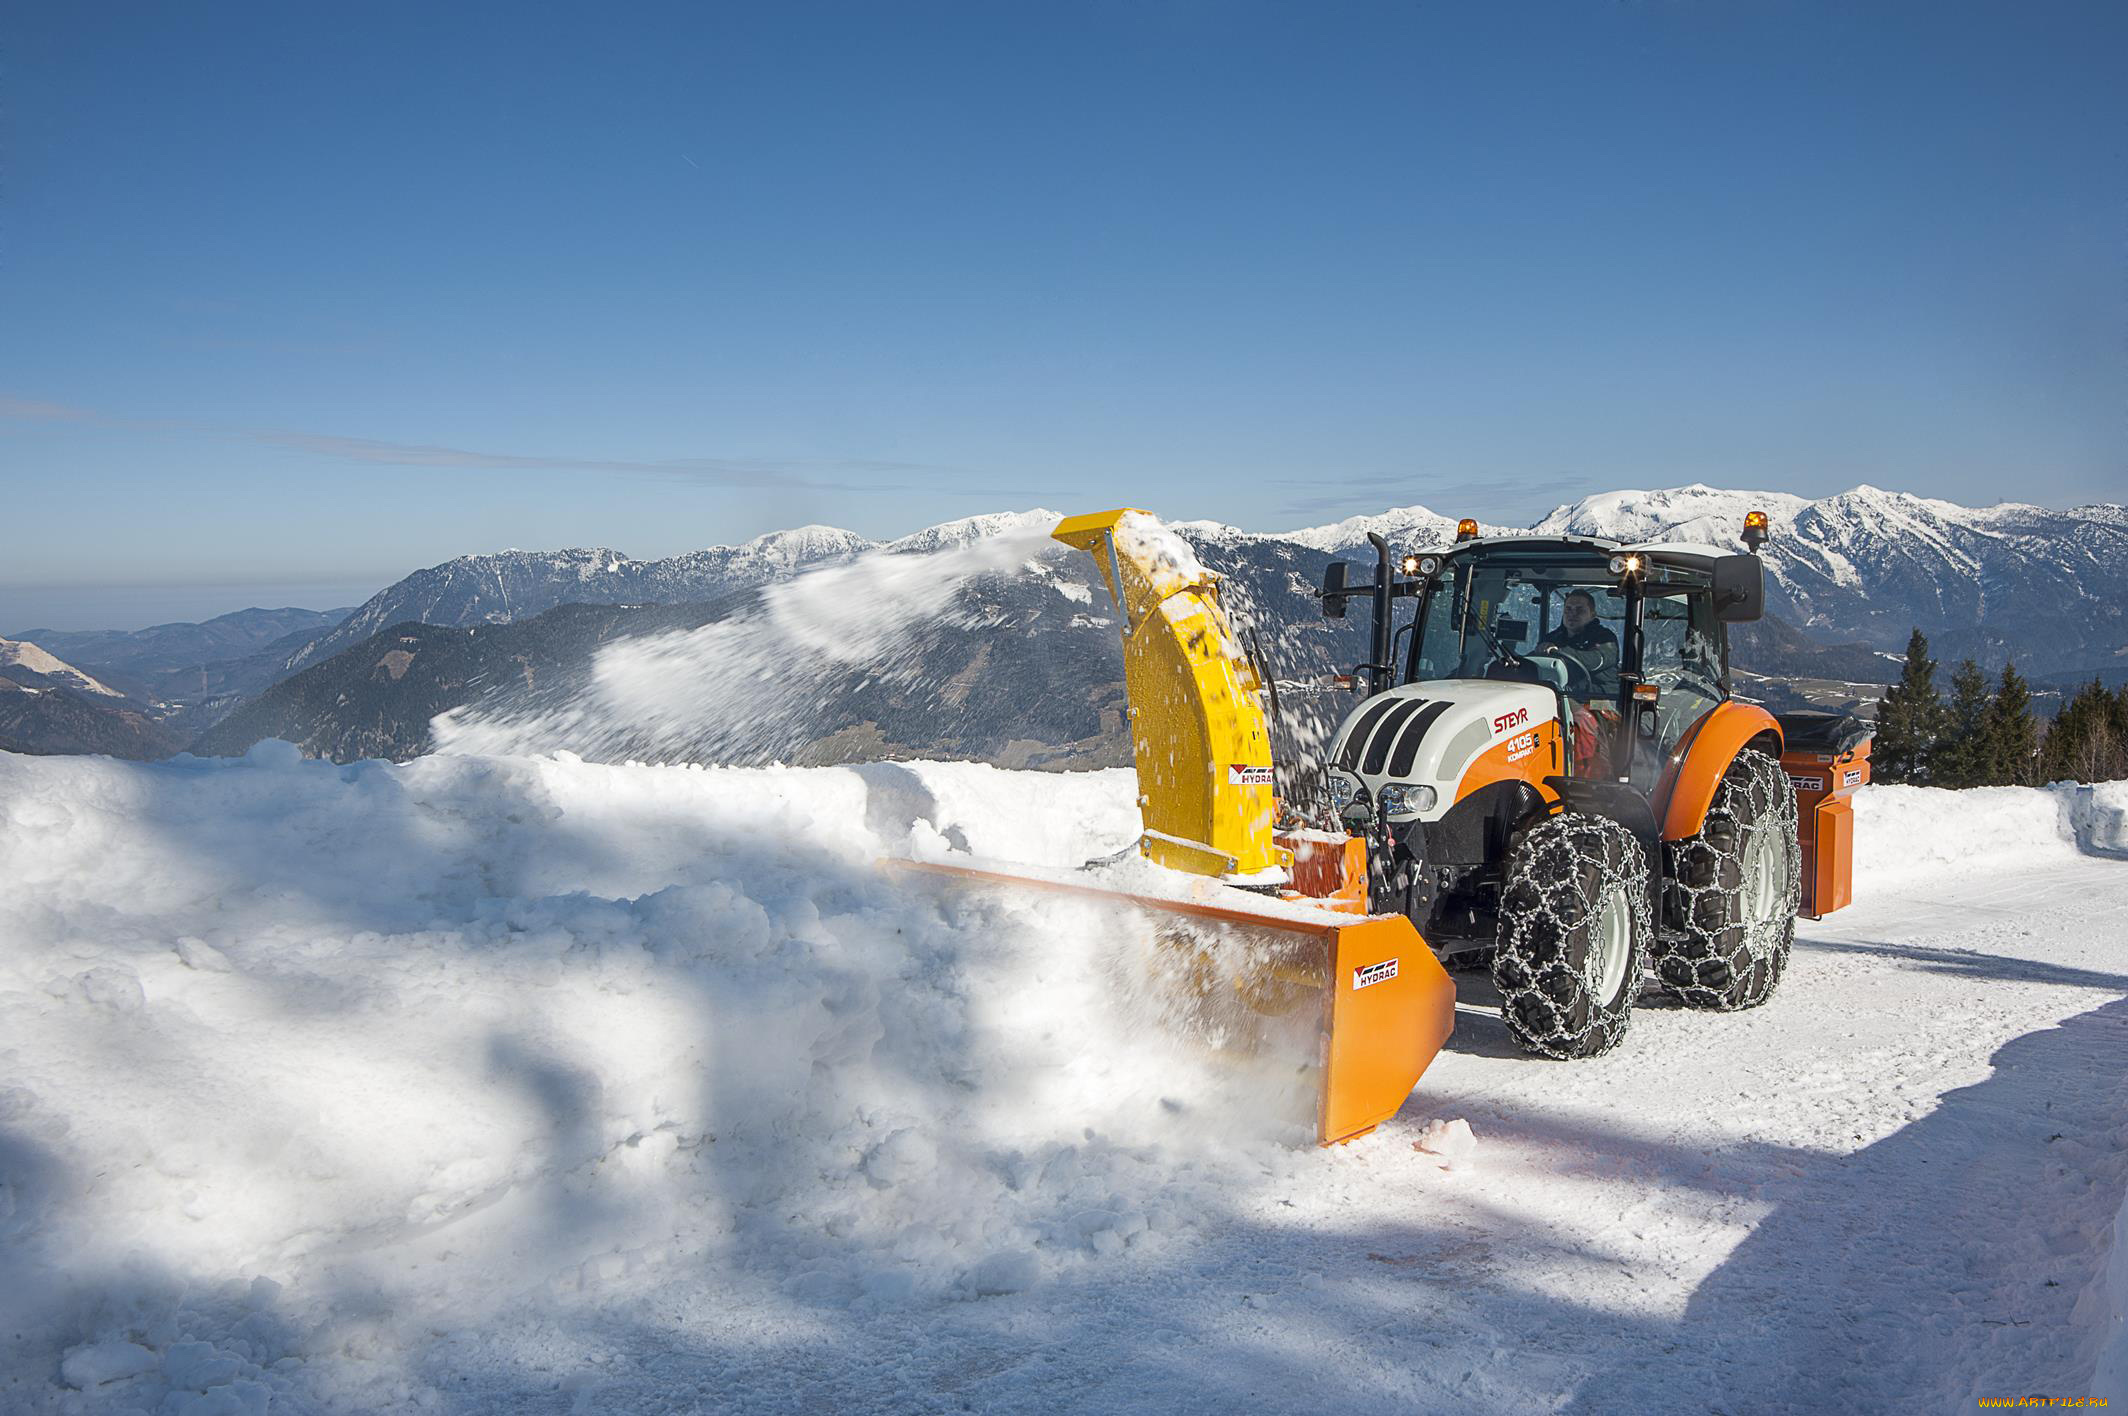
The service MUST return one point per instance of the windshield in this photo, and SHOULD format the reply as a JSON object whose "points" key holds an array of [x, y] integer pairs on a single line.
{"points": [[1544, 616]]}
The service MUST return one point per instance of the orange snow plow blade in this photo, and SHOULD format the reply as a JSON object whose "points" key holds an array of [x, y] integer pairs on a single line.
{"points": [[1375, 1002]]}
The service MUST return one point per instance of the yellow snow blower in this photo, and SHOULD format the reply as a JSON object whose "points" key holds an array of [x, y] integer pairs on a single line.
{"points": [[1268, 928]]}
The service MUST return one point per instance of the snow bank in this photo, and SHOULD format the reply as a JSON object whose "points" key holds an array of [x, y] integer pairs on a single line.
{"points": [[1902, 833], [2099, 816], [304, 1069], [295, 1056]]}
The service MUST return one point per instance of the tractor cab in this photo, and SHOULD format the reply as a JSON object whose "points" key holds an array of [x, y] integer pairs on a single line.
{"points": [[1609, 631]]}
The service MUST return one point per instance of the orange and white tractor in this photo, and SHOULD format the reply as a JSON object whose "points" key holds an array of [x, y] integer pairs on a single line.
{"points": [[1554, 778], [1547, 772]]}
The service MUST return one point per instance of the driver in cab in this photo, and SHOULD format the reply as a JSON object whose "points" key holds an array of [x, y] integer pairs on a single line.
{"points": [[1583, 639]]}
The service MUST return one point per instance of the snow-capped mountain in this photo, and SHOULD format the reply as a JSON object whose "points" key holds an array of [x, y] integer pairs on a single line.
{"points": [[1853, 573], [970, 529], [1403, 527], [29, 661], [513, 585], [49, 706], [1866, 565], [2047, 587]]}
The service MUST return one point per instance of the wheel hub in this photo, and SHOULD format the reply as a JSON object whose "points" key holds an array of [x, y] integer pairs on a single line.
{"points": [[1610, 945], [1762, 893]]}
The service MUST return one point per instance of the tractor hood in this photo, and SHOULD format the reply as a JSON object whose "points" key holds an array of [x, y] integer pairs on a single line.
{"points": [[1450, 735]]}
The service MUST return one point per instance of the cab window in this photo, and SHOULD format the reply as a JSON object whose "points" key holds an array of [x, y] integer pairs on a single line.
{"points": [[1681, 655], [1506, 616]]}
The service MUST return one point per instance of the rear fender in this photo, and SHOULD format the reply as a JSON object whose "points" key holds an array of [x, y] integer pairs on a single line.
{"points": [[1696, 766]]}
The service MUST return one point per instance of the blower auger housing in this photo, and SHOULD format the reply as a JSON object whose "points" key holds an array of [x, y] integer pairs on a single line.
{"points": [[1553, 776]]}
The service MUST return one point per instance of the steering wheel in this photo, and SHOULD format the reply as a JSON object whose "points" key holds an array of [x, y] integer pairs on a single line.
{"points": [[1580, 683], [1506, 663]]}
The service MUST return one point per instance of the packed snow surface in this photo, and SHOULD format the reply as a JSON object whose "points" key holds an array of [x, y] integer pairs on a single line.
{"points": [[514, 1084]]}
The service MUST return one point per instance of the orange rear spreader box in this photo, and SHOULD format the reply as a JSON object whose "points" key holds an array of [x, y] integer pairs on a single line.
{"points": [[1825, 784]]}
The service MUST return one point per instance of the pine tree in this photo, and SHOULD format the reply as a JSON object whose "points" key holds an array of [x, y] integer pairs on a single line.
{"points": [[2012, 733], [1909, 720], [1961, 758], [2084, 744]]}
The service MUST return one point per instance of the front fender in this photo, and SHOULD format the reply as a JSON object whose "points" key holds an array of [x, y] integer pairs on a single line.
{"points": [[1696, 767]]}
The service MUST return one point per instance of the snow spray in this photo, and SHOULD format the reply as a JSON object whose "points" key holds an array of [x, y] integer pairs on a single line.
{"points": [[749, 687]]}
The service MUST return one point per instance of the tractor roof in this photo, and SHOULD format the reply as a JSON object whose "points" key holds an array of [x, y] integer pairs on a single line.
{"points": [[1693, 554]]}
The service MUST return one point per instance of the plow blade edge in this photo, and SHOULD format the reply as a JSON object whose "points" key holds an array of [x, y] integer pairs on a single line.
{"points": [[1382, 1006]]}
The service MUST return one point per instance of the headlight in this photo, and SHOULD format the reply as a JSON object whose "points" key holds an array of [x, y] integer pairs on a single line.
{"points": [[1343, 790], [1401, 800], [1429, 564]]}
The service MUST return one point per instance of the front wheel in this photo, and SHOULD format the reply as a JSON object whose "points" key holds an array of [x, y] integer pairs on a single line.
{"points": [[1734, 890], [1573, 935]]}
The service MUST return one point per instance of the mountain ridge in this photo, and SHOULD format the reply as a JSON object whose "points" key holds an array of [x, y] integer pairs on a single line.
{"points": [[1033, 637], [22, 659], [1849, 575], [505, 586]]}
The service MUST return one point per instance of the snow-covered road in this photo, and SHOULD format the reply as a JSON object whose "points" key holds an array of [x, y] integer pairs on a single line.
{"points": [[496, 1084]]}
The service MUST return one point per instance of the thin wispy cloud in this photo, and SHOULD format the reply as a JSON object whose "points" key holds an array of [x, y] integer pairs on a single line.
{"points": [[32, 411], [810, 474], [726, 471]]}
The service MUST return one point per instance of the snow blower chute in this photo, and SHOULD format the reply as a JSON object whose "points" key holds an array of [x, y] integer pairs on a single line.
{"points": [[1269, 927]]}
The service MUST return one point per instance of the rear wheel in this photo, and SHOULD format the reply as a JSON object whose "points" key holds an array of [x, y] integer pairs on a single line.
{"points": [[1574, 927], [1734, 891]]}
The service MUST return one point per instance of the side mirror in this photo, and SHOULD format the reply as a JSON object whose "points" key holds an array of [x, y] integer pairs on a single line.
{"points": [[1739, 589], [1334, 590]]}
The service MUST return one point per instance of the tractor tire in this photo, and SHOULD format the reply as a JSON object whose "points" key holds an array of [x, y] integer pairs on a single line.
{"points": [[1734, 889], [1574, 929]]}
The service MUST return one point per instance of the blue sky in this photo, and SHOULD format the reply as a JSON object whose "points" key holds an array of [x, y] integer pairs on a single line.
{"points": [[296, 299]]}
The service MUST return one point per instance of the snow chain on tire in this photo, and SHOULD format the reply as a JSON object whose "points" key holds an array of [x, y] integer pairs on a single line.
{"points": [[1574, 883], [1734, 890]]}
